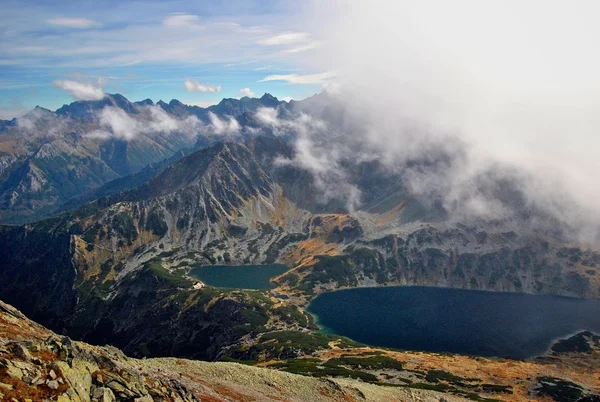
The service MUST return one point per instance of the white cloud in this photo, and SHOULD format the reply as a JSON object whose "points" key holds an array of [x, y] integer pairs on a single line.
{"points": [[79, 23], [303, 48], [246, 92], [268, 116], [312, 153], [427, 80], [181, 21], [98, 135], [320, 78], [287, 98], [224, 127], [121, 125], [115, 122], [153, 38], [195, 86], [80, 90], [284, 39]]}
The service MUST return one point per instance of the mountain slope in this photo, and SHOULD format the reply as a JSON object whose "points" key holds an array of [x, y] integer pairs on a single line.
{"points": [[48, 157], [37, 364]]}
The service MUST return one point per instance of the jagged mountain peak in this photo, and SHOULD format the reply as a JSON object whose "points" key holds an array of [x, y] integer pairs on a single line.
{"points": [[41, 109], [268, 97], [212, 167], [86, 109], [175, 102], [145, 102]]}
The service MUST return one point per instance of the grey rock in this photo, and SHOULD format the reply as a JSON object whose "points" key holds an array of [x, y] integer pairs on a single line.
{"points": [[52, 384]]}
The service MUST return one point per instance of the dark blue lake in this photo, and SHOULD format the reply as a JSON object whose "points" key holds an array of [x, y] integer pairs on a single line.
{"points": [[239, 276], [452, 320]]}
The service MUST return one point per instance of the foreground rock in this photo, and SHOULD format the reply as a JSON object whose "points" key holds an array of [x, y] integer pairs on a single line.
{"points": [[36, 365]]}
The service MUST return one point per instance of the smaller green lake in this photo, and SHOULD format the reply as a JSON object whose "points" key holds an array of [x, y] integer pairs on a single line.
{"points": [[239, 276]]}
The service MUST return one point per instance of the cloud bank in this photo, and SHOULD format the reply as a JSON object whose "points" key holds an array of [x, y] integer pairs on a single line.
{"points": [[508, 91]]}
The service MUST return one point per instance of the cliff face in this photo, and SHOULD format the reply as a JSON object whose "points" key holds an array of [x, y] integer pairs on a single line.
{"points": [[36, 364], [467, 258]]}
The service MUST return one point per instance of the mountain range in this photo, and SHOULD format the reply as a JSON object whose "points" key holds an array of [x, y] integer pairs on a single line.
{"points": [[133, 195], [47, 158]]}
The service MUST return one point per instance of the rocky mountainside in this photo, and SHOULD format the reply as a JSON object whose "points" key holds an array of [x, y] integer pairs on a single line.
{"points": [[47, 158], [36, 365]]}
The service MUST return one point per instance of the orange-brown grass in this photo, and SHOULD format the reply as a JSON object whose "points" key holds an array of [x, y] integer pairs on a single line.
{"points": [[517, 373]]}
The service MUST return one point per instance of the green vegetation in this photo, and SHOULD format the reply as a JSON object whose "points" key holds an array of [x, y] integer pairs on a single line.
{"points": [[291, 314], [176, 277], [284, 345], [366, 363], [313, 368], [436, 376], [156, 224], [122, 225]]}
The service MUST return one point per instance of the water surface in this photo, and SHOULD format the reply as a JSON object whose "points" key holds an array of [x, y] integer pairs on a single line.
{"points": [[239, 276], [452, 320]]}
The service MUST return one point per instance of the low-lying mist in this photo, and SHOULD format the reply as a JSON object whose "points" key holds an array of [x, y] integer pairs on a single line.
{"points": [[508, 91]]}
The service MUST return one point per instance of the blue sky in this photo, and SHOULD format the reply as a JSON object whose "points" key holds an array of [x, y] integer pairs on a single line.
{"points": [[150, 49]]}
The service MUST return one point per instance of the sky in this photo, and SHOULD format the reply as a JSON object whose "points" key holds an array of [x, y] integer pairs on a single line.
{"points": [[508, 83], [55, 52]]}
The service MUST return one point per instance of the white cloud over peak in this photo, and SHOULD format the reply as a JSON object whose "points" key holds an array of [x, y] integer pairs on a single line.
{"points": [[268, 117], [81, 90], [78, 23], [246, 92], [284, 39], [320, 78], [224, 127], [115, 122], [195, 86], [120, 124]]}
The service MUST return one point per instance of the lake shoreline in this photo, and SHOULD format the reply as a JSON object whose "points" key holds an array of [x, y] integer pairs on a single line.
{"points": [[325, 325]]}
